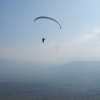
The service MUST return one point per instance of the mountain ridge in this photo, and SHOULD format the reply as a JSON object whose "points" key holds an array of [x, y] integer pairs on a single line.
{"points": [[72, 71]]}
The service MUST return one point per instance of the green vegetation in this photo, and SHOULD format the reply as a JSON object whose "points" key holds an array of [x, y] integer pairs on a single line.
{"points": [[49, 91]]}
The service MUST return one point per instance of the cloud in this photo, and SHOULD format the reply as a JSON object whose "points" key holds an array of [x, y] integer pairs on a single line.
{"points": [[52, 52], [43, 52], [89, 37], [77, 50]]}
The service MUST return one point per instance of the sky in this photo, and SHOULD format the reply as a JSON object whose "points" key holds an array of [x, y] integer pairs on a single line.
{"points": [[21, 37]]}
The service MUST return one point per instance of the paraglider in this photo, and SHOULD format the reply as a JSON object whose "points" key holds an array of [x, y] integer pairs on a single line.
{"points": [[43, 40], [47, 18]]}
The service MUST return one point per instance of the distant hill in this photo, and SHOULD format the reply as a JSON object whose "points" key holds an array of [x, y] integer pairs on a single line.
{"points": [[76, 71], [19, 70]]}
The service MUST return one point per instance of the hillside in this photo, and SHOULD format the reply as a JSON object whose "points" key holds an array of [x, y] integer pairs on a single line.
{"points": [[76, 71]]}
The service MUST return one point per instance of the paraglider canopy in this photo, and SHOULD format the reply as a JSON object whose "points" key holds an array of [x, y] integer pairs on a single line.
{"points": [[48, 18]]}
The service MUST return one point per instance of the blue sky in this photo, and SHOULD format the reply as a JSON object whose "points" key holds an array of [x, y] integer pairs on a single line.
{"points": [[79, 38]]}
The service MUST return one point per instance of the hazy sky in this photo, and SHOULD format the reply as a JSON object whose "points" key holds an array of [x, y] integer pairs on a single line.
{"points": [[79, 38]]}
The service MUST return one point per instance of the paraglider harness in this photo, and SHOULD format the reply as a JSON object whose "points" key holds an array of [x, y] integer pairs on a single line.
{"points": [[43, 40]]}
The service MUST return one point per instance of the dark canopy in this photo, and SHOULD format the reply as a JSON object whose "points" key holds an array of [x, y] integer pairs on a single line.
{"points": [[47, 18]]}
